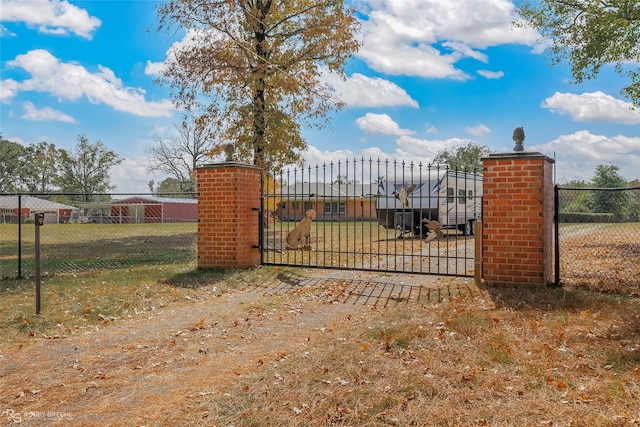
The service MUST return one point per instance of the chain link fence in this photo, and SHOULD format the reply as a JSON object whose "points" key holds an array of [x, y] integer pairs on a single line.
{"points": [[599, 238], [84, 232]]}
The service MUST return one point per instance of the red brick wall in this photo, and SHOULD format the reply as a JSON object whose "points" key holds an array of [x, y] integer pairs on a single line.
{"points": [[517, 219], [227, 223]]}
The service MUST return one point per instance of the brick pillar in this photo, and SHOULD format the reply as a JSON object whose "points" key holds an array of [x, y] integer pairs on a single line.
{"points": [[228, 194], [517, 220]]}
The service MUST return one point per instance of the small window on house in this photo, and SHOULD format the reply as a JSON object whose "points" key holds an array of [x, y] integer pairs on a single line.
{"points": [[450, 194], [283, 205], [307, 206], [296, 206], [470, 193], [335, 208]]}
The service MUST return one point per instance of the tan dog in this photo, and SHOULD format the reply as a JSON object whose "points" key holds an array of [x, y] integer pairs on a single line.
{"points": [[301, 235], [435, 230]]}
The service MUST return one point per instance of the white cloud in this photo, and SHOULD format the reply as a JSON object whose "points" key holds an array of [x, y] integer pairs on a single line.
{"points": [[70, 81], [415, 148], [491, 74], [315, 156], [430, 128], [45, 114], [427, 37], [465, 51], [406, 58], [478, 130], [380, 124], [579, 154], [153, 68], [362, 91], [50, 16], [592, 107], [133, 176], [8, 89]]}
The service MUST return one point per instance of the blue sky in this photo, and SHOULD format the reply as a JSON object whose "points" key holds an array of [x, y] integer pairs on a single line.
{"points": [[431, 74]]}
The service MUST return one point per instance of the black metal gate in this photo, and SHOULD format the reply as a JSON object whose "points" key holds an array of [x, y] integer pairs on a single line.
{"points": [[598, 238], [384, 216]]}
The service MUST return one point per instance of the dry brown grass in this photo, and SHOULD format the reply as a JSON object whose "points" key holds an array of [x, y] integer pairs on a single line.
{"points": [[602, 257], [507, 357], [281, 354]]}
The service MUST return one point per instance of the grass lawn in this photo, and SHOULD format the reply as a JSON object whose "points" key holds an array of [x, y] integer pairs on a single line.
{"points": [[78, 247]]}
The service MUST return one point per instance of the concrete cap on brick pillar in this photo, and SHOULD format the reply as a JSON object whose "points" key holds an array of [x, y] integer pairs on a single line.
{"points": [[519, 155]]}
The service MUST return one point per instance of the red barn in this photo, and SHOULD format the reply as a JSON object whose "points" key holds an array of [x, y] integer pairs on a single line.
{"points": [[144, 209]]}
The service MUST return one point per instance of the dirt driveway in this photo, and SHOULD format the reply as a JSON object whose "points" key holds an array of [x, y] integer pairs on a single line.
{"points": [[163, 366]]}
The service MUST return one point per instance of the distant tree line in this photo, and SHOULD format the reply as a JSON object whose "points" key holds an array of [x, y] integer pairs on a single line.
{"points": [[43, 168], [622, 205]]}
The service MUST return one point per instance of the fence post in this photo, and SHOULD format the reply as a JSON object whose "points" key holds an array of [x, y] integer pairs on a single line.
{"points": [[39, 222], [477, 272], [19, 236], [518, 219], [228, 215], [556, 237]]}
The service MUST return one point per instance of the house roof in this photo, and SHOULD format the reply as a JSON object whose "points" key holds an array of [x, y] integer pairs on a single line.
{"points": [[319, 189], [153, 199], [30, 202]]}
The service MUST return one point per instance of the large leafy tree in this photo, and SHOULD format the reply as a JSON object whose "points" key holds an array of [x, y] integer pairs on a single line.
{"points": [[39, 167], [466, 157], [615, 202], [589, 34], [85, 169], [576, 201], [11, 170], [179, 156], [254, 67]]}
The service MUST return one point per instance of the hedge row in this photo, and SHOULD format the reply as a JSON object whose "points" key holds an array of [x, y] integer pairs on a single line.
{"points": [[585, 217]]}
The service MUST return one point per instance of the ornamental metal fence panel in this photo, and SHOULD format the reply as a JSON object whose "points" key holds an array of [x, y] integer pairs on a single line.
{"points": [[598, 238], [388, 216], [85, 232]]}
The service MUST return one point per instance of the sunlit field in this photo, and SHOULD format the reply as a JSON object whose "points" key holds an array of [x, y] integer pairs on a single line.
{"points": [[76, 247]]}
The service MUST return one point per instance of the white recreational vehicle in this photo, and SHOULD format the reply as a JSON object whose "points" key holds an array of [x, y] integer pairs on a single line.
{"points": [[454, 199]]}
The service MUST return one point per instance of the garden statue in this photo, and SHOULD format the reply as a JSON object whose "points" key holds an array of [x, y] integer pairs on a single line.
{"points": [[300, 237], [435, 230], [403, 194]]}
